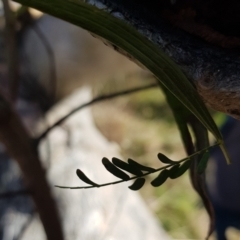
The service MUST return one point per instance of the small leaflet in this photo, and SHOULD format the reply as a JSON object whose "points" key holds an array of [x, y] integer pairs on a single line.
{"points": [[140, 166], [203, 163], [114, 170], [138, 183], [85, 179], [164, 159], [173, 171], [161, 178], [127, 167], [182, 169]]}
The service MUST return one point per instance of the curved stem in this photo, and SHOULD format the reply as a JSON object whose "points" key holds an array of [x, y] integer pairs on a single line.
{"points": [[93, 101], [144, 174]]}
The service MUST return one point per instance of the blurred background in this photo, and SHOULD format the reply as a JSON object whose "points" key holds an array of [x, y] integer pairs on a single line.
{"points": [[60, 59]]}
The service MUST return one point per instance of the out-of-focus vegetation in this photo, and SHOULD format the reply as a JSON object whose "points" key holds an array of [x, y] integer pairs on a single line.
{"points": [[143, 125]]}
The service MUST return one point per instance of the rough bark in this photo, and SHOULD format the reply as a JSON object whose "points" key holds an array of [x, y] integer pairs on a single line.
{"points": [[214, 70]]}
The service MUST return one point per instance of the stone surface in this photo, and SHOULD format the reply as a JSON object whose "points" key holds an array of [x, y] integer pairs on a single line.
{"points": [[108, 213]]}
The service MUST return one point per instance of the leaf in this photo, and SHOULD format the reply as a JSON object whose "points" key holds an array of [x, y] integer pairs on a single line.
{"points": [[138, 183], [203, 163], [114, 170], [173, 171], [140, 166], [161, 178], [84, 178], [181, 115], [127, 167], [164, 159], [182, 169], [198, 180], [127, 38]]}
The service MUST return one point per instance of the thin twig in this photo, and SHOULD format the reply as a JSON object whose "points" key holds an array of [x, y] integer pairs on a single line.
{"points": [[26, 225], [93, 101], [12, 52], [144, 174], [120, 181]]}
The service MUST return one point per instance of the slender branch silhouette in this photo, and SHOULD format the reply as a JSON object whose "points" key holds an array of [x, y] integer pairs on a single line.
{"points": [[93, 101], [174, 163]]}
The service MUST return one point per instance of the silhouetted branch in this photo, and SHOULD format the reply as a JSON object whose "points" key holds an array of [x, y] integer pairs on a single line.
{"points": [[26, 225], [170, 165], [93, 101], [121, 181]]}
